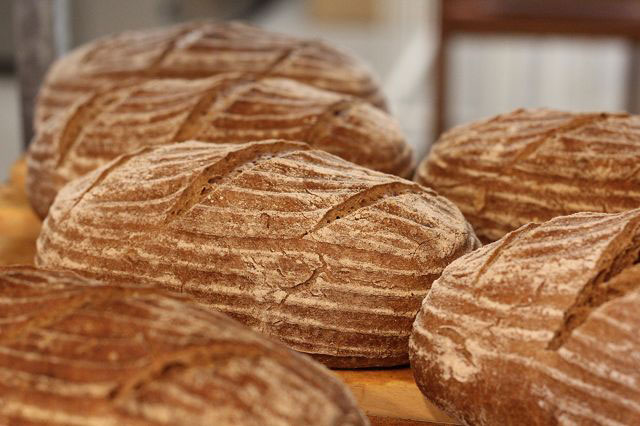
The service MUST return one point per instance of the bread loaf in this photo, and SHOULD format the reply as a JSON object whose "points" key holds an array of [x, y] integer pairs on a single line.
{"points": [[533, 165], [538, 328], [77, 352], [224, 108], [197, 50], [329, 257]]}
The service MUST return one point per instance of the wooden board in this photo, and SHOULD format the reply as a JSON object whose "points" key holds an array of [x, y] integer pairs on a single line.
{"points": [[390, 397], [19, 226], [391, 394]]}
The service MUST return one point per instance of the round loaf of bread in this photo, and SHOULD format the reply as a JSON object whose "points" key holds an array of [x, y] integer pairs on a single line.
{"points": [[533, 165], [197, 50], [538, 328], [78, 352], [331, 258], [225, 108]]}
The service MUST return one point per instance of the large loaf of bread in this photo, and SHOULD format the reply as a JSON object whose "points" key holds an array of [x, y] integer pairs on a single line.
{"points": [[332, 258], [77, 352], [538, 328], [224, 108], [533, 165], [197, 50]]}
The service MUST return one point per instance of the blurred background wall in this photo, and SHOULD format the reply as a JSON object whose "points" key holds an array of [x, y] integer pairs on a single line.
{"points": [[398, 38]]}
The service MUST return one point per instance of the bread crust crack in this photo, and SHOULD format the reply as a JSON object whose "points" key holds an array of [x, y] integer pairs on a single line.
{"points": [[620, 277], [115, 164], [217, 98], [363, 199], [227, 168]]}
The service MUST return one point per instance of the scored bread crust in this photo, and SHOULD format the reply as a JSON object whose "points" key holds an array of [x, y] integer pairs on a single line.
{"points": [[533, 165], [329, 257], [76, 351], [196, 50], [225, 108], [540, 327]]}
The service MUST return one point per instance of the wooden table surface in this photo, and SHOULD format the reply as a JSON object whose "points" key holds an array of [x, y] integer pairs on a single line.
{"points": [[388, 396]]}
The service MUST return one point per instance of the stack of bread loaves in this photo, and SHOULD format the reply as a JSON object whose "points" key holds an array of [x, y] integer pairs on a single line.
{"points": [[228, 108], [214, 159], [202, 186], [541, 326], [256, 173]]}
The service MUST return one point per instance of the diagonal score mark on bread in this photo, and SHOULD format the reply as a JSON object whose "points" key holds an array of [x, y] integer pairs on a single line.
{"points": [[155, 68], [559, 132], [503, 244], [99, 178], [333, 110], [170, 40], [619, 276], [81, 112], [366, 198], [193, 356], [219, 97], [284, 57], [226, 168]]}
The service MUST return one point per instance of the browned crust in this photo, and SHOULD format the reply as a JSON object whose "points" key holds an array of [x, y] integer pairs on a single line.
{"points": [[72, 348], [541, 325], [533, 165], [329, 257], [227, 108], [197, 50]]}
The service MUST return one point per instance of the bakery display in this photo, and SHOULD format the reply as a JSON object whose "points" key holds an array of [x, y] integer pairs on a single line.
{"points": [[225, 108], [196, 50], [539, 327], [76, 351], [210, 186], [329, 257], [533, 165]]}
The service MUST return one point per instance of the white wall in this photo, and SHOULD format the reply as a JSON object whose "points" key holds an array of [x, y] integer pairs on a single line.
{"points": [[490, 75]]}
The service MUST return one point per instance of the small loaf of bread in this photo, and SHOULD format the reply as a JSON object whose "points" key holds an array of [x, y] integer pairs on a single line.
{"points": [[331, 258], [538, 328], [533, 165], [224, 108], [197, 50], [78, 352]]}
